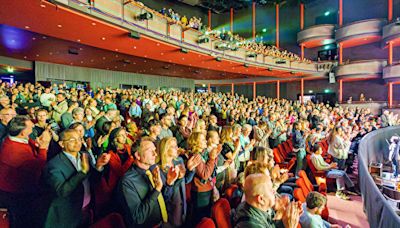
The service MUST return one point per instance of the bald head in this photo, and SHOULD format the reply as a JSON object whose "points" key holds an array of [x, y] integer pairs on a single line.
{"points": [[259, 192]]}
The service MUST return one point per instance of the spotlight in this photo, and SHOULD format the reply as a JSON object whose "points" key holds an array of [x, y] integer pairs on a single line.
{"points": [[134, 35], [218, 59], [184, 50], [246, 65], [145, 16]]}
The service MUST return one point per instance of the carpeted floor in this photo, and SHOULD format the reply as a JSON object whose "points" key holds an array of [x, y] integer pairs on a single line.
{"points": [[345, 212]]}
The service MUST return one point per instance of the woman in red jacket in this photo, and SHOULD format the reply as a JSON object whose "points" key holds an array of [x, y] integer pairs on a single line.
{"points": [[121, 160]]}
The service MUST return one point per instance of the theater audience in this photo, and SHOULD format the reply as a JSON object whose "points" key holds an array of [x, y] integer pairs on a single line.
{"points": [[176, 157]]}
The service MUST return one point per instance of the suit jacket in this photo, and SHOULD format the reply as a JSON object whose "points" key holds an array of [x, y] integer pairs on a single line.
{"points": [[67, 192]]}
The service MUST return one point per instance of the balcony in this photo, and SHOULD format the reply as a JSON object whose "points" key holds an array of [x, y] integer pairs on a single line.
{"points": [[163, 29], [360, 33], [391, 33], [392, 73], [361, 70], [317, 35]]}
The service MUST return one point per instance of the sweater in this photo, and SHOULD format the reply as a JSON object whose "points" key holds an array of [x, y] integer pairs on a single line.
{"points": [[319, 162], [20, 166]]}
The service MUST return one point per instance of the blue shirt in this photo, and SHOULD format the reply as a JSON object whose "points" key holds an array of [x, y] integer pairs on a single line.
{"points": [[135, 111], [308, 220]]}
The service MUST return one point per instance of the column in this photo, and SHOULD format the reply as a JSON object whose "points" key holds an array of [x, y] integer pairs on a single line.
{"points": [[254, 91], [390, 94], [390, 53], [232, 20], [209, 88], [390, 10], [301, 16], [340, 53], [340, 13], [340, 91], [233, 89], [254, 20], [302, 51], [278, 89], [277, 25], [302, 90]]}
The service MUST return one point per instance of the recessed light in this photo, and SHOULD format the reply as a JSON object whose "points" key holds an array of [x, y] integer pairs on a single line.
{"points": [[104, 58], [116, 49], [124, 65], [27, 27], [78, 40], [80, 49], [60, 26], [162, 53], [81, 61], [43, 5], [108, 68], [103, 38], [51, 53], [134, 63], [37, 55], [183, 58], [158, 44], [71, 63], [25, 57], [115, 67], [44, 37], [116, 56], [145, 56], [134, 47], [145, 61], [33, 38], [93, 23]]}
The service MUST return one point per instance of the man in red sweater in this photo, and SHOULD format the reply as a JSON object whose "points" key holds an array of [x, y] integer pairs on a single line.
{"points": [[21, 163]]}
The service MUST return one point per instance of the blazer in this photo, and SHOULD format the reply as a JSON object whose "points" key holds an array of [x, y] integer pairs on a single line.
{"points": [[67, 192]]}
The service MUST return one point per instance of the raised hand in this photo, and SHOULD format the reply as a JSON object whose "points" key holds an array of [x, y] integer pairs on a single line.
{"points": [[102, 160], [44, 140], [215, 152], [182, 171], [193, 162], [281, 204], [292, 215], [158, 184], [172, 175], [85, 166]]}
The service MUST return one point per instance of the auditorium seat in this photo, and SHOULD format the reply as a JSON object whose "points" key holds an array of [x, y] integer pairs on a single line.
{"points": [[110, 221], [284, 163], [320, 176], [206, 223], [4, 218], [221, 213], [233, 201]]}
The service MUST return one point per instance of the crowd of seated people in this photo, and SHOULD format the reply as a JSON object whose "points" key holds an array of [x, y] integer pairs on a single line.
{"points": [[193, 22], [71, 157]]}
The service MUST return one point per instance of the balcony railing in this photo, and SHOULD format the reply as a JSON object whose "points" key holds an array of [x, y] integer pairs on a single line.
{"points": [[160, 27]]}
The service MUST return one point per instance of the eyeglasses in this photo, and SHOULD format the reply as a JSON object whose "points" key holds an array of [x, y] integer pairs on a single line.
{"points": [[73, 140]]}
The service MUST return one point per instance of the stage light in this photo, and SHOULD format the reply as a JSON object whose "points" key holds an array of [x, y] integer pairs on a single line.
{"points": [[327, 90], [264, 30], [327, 13], [310, 91], [145, 16], [218, 59], [204, 85]]}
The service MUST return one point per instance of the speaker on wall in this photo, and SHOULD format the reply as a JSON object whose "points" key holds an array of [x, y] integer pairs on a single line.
{"points": [[332, 78]]}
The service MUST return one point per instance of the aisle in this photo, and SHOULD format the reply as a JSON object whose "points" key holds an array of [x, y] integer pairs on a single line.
{"points": [[345, 212]]}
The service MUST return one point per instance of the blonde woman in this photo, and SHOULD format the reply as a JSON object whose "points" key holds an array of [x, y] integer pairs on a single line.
{"points": [[261, 134], [230, 151], [170, 161], [202, 186]]}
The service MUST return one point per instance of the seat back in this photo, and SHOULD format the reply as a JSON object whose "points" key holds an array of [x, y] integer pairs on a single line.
{"points": [[4, 218], [206, 223], [286, 146], [282, 150], [299, 195], [277, 156], [221, 213], [110, 221], [307, 181], [310, 164]]}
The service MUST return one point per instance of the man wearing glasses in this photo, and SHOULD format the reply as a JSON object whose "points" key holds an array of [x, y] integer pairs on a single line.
{"points": [[67, 176]]}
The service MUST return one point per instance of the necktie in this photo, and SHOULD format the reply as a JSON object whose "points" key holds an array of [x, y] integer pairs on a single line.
{"points": [[160, 198]]}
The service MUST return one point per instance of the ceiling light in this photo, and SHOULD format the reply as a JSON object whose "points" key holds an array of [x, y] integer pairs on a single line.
{"points": [[327, 13], [116, 49], [162, 53], [78, 40], [27, 27], [10, 69], [91, 60], [25, 57], [134, 47], [158, 44], [144, 61], [145, 56], [310, 91], [44, 37], [51, 53], [37, 55], [81, 61], [116, 56], [80, 49], [93, 23], [60, 26], [115, 67], [33, 38], [104, 58], [103, 38], [43, 5]]}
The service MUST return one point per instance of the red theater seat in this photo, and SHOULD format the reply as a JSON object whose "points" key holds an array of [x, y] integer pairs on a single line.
{"points": [[206, 223], [221, 213]]}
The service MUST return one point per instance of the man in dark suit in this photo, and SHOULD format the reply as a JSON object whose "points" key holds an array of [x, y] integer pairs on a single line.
{"points": [[67, 177], [141, 197]]}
